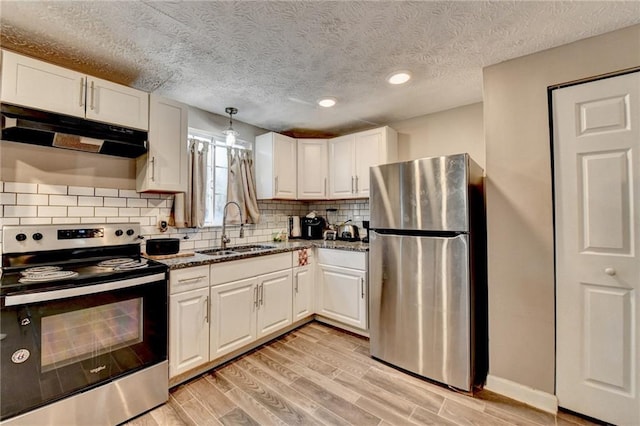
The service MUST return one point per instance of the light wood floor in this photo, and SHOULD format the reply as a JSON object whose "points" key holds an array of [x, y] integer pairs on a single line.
{"points": [[318, 375]]}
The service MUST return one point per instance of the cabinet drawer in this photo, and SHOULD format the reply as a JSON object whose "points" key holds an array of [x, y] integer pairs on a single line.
{"points": [[343, 258], [234, 270], [188, 279]]}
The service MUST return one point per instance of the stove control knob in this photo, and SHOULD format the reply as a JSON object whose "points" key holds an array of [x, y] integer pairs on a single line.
{"points": [[119, 233], [21, 237], [130, 232], [37, 236]]}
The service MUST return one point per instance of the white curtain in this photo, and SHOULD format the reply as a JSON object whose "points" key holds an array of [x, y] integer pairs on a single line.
{"points": [[241, 188], [189, 207]]}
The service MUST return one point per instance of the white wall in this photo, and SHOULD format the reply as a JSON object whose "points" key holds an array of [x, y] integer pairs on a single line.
{"points": [[520, 201], [447, 132]]}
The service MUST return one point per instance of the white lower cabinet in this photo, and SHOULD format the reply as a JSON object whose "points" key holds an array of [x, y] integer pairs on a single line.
{"points": [[188, 319], [233, 316], [250, 298], [342, 287], [303, 286]]}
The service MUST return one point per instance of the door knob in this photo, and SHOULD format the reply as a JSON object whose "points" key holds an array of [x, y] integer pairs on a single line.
{"points": [[610, 271]]}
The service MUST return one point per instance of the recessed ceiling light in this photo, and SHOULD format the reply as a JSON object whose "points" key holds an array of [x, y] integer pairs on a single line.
{"points": [[399, 77], [327, 102]]}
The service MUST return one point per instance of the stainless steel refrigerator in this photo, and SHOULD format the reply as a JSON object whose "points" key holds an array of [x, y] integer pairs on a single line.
{"points": [[427, 264]]}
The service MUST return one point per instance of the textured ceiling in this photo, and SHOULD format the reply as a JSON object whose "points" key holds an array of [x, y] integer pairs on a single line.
{"points": [[273, 60]]}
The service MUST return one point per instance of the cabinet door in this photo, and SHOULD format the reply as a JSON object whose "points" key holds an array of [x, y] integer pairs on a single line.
{"points": [[188, 330], [368, 146], [313, 170], [117, 104], [36, 84], [284, 163], [342, 295], [341, 173], [164, 167], [303, 287], [274, 301], [233, 316]]}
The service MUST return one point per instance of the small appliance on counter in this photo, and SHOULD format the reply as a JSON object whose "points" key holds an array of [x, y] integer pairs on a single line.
{"points": [[365, 225], [294, 227], [329, 235], [348, 232], [312, 227]]}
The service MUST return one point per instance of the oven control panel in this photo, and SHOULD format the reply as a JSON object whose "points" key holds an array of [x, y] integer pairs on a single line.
{"points": [[27, 238]]}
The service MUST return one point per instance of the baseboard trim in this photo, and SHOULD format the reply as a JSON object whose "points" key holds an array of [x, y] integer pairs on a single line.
{"points": [[535, 398]]}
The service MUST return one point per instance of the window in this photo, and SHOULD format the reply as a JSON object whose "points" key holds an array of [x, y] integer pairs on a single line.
{"points": [[216, 180]]}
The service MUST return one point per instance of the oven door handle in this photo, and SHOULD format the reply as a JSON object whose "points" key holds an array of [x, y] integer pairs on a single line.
{"points": [[44, 296]]}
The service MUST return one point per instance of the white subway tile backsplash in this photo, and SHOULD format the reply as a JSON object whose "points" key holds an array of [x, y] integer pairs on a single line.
{"points": [[146, 195], [35, 221], [90, 201], [132, 211], [9, 221], [80, 190], [106, 192], [30, 188], [52, 211], [114, 220], [62, 220], [106, 211], [115, 202], [32, 199], [129, 193], [81, 211], [20, 211], [93, 220], [63, 200], [7, 198], [44, 188], [136, 202]]}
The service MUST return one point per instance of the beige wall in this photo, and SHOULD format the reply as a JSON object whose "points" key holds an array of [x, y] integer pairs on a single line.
{"points": [[519, 198], [34, 164], [447, 132]]}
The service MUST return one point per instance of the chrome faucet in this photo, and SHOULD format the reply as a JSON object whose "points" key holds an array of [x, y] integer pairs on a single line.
{"points": [[224, 238]]}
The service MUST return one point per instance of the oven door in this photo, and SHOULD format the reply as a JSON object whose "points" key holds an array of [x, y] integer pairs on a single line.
{"points": [[60, 342]]}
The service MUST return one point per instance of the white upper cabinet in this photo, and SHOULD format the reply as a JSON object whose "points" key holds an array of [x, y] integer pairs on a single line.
{"points": [[313, 169], [276, 175], [351, 156], [164, 167], [32, 83]]}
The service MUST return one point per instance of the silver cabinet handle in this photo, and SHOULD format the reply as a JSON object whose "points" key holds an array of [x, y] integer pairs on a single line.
{"points": [[206, 306], [352, 179], [92, 94], [82, 87], [255, 296], [325, 187], [276, 191], [153, 169], [297, 279], [362, 287], [262, 294], [184, 280], [356, 183]]}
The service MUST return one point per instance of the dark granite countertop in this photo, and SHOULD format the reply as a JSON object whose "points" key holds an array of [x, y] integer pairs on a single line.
{"points": [[200, 259]]}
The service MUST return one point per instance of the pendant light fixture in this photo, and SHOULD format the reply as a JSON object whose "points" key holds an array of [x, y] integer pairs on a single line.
{"points": [[230, 134]]}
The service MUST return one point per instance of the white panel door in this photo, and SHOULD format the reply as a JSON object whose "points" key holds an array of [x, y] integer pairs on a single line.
{"points": [[117, 104], [284, 165], [274, 301], [341, 172], [303, 287], [597, 193], [32, 83], [312, 169], [367, 147], [342, 295], [188, 330], [233, 316]]}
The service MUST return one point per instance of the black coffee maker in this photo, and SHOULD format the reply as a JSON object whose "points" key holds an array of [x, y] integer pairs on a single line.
{"points": [[312, 227], [365, 225]]}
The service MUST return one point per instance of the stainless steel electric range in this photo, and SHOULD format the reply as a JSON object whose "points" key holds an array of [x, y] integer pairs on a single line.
{"points": [[83, 325]]}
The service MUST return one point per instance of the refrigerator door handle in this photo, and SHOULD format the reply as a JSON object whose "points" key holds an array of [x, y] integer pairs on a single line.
{"points": [[362, 287]]}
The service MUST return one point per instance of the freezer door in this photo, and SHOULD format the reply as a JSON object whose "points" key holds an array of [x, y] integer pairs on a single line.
{"points": [[420, 305], [430, 194]]}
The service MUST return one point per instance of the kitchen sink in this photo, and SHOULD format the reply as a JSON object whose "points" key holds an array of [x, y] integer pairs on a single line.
{"points": [[236, 250]]}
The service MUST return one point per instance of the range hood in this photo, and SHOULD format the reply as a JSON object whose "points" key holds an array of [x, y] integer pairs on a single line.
{"points": [[27, 125]]}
